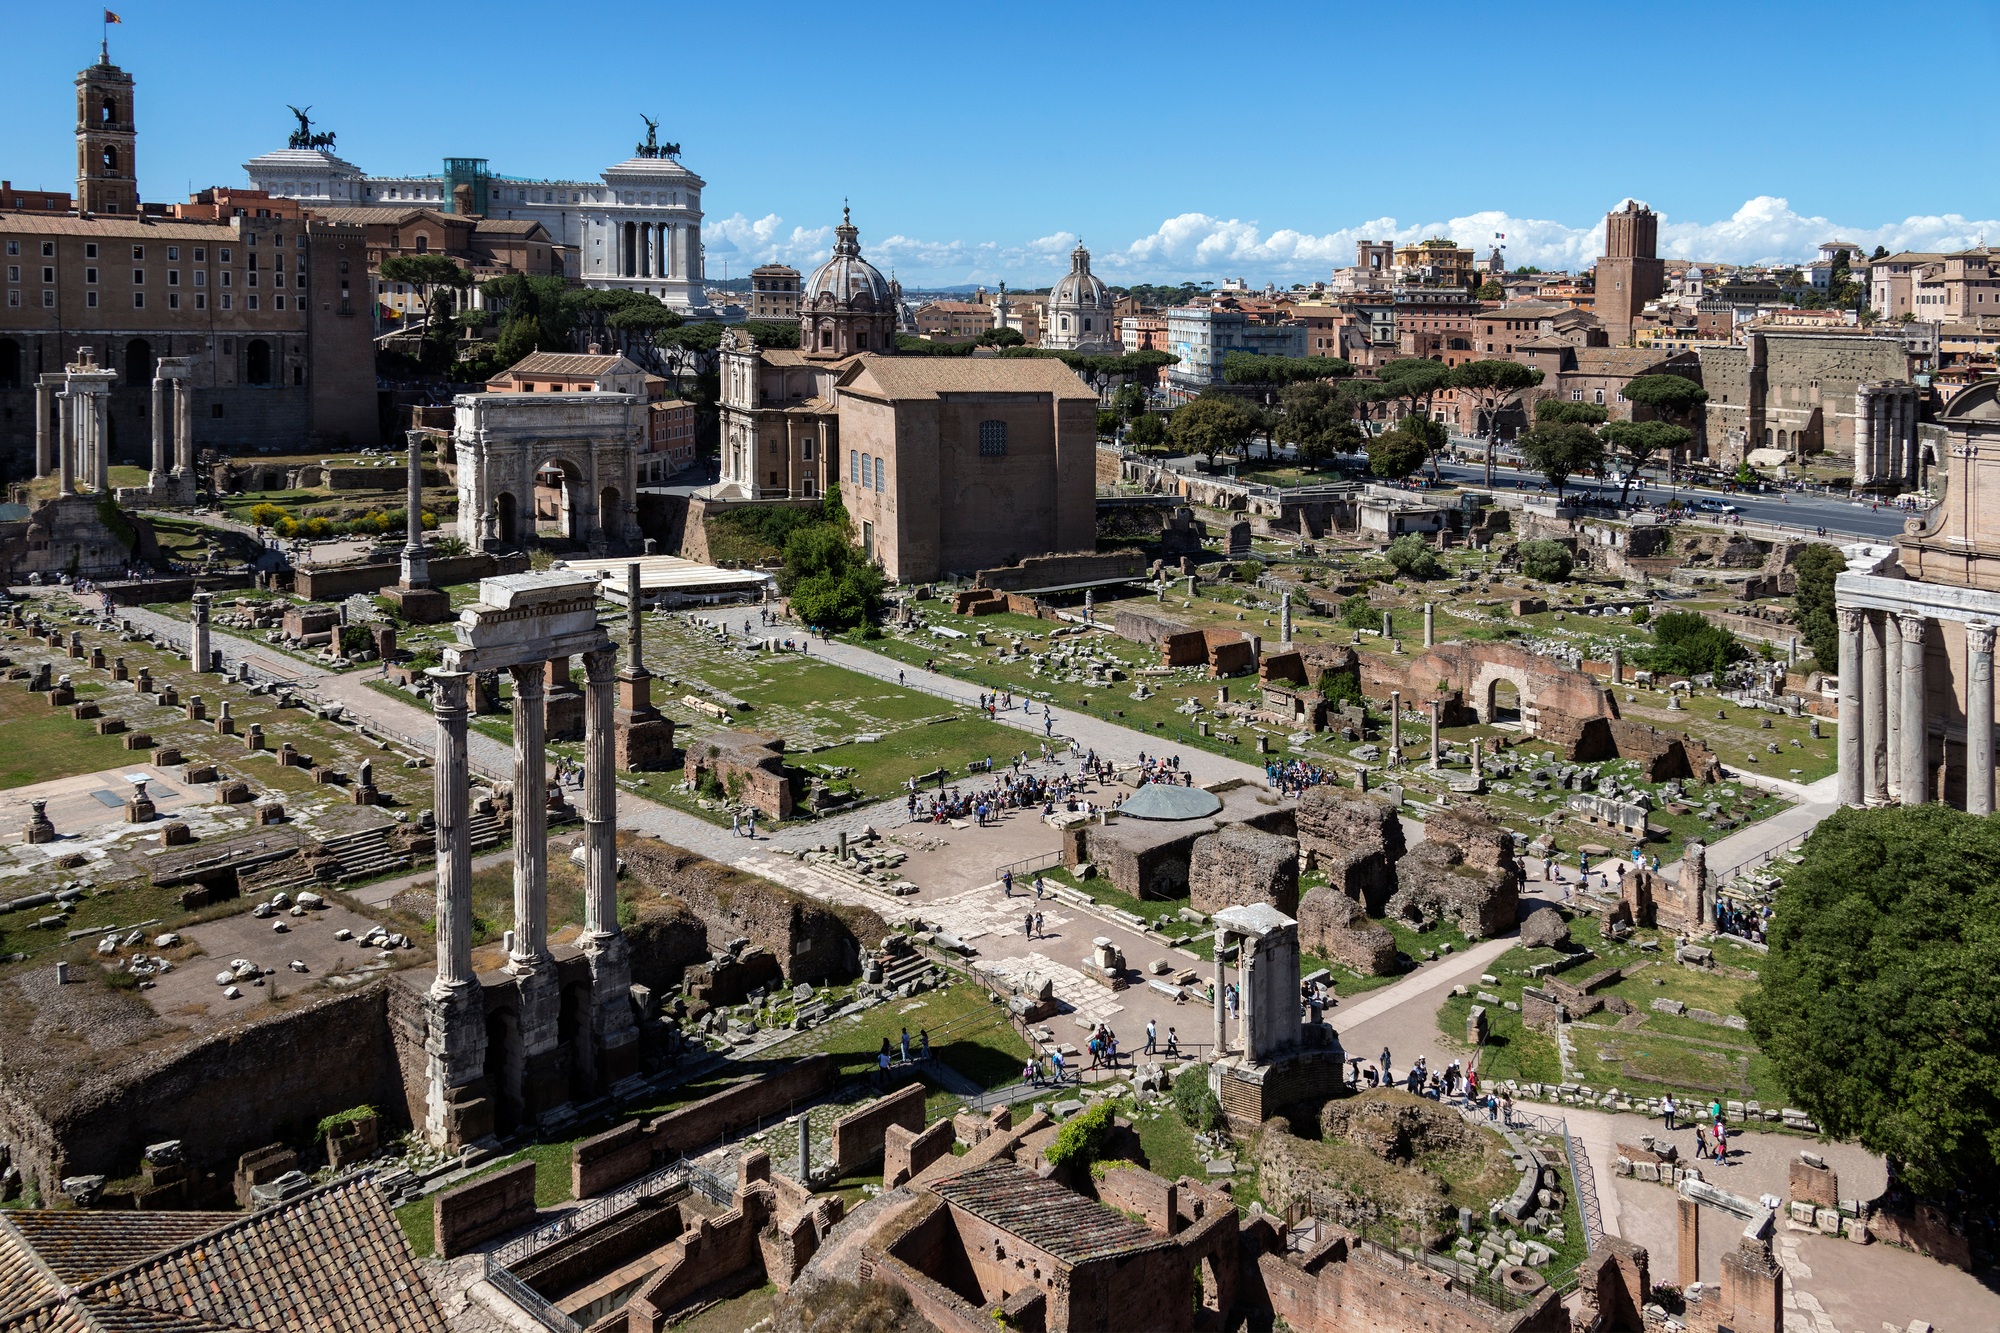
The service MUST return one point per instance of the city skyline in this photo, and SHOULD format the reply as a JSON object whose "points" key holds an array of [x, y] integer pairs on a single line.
{"points": [[1240, 180]]}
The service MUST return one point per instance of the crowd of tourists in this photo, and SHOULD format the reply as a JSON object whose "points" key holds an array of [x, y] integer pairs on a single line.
{"points": [[1293, 776]]}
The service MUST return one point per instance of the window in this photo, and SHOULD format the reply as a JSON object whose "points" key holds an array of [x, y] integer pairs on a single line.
{"points": [[89, 276], [13, 272], [228, 277], [881, 474], [423, 245], [251, 277], [200, 254], [1600, 397], [806, 449], [278, 303], [227, 301], [49, 250], [138, 277], [48, 299], [215, 409], [13, 300], [867, 471], [222, 255], [992, 439], [253, 302], [300, 279], [201, 277], [13, 247], [89, 251], [49, 274], [90, 300], [173, 253], [201, 300], [138, 252], [854, 466], [138, 300]]}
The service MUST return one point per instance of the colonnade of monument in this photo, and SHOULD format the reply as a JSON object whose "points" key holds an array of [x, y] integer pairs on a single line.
{"points": [[1885, 744], [521, 623], [73, 425]]}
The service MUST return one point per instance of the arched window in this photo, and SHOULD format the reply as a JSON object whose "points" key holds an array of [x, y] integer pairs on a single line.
{"points": [[257, 362], [110, 159], [992, 439], [423, 244], [1063, 323], [110, 111], [10, 364]]}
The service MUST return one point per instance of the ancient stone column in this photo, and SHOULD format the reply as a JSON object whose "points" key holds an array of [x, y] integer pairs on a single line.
{"points": [[1617, 665], [1285, 619], [1395, 727], [198, 657], [1979, 718], [1852, 789], [416, 563], [157, 481], [1916, 731], [1430, 624], [45, 421], [100, 437], [531, 820], [600, 797], [1388, 626], [1476, 742], [66, 445], [1437, 720], [1874, 717], [184, 427], [1221, 1012], [452, 801]]}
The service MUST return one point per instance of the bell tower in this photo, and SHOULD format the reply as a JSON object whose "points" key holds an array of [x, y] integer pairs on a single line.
{"points": [[107, 180]]}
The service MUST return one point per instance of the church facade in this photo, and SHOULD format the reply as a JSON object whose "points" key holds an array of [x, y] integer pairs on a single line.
{"points": [[1082, 314]]}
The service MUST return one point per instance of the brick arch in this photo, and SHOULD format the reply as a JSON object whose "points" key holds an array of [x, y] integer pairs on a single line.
{"points": [[1491, 674]]}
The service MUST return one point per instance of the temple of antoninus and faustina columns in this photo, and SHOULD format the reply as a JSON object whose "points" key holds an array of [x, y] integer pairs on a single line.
{"points": [[1917, 620]]}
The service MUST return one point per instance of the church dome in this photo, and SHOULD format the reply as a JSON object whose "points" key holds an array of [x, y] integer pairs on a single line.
{"points": [[1079, 286], [847, 277]]}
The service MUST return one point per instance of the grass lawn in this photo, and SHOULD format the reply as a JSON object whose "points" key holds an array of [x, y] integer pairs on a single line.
{"points": [[45, 743], [968, 1032], [1171, 1151]]}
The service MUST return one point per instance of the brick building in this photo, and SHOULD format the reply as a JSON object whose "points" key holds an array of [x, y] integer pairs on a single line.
{"points": [[270, 310], [484, 247], [1629, 272]]}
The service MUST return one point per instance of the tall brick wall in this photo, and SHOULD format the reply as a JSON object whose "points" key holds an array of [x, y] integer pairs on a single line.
{"points": [[491, 1206], [333, 582], [905, 1152], [710, 1252], [858, 1135], [615, 1156]]}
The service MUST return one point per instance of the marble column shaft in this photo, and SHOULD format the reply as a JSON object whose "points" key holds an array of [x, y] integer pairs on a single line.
{"points": [[184, 426], [1874, 712], [1437, 725], [531, 819], [100, 440], [1852, 788], [1221, 1013], [45, 424], [1395, 726], [1979, 718], [451, 799], [65, 444], [416, 564], [1916, 734], [161, 410], [600, 796]]}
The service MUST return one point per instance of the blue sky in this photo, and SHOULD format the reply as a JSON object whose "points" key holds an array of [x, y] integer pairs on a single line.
{"points": [[1178, 140]]}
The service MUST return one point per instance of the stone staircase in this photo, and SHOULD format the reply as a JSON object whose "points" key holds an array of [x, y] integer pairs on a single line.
{"points": [[366, 853]]}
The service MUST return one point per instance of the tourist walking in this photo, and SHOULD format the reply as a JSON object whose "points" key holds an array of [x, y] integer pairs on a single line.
{"points": [[905, 1044], [1667, 1108], [1039, 932], [1152, 1036], [1028, 925]]}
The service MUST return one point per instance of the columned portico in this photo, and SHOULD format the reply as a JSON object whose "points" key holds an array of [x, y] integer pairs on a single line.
{"points": [[1979, 718], [520, 624], [1916, 722]]}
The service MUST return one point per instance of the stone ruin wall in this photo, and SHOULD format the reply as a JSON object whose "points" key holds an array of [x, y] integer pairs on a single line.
{"points": [[224, 1095], [812, 941]]}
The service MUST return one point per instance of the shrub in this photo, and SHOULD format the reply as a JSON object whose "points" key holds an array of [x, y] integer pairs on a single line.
{"points": [[1641, 614], [1356, 613], [1413, 557], [1687, 643], [1082, 1137], [1250, 571], [1195, 1100], [1546, 561]]}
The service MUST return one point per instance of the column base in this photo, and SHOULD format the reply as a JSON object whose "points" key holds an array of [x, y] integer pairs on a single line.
{"points": [[541, 1082], [458, 1110], [614, 1029], [640, 742], [420, 606]]}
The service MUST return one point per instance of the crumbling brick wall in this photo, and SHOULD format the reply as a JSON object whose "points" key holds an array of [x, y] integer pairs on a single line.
{"points": [[811, 940], [667, 938], [907, 1152], [858, 1135], [1335, 926], [750, 766], [1238, 865], [491, 1206], [1463, 872], [1354, 839], [710, 1252]]}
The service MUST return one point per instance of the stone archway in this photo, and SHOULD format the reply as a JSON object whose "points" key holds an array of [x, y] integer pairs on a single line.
{"points": [[1487, 697], [566, 501], [507, 519], [1503, 702], [580, 446]]}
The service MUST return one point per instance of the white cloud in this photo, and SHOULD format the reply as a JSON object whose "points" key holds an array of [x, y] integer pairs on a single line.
{"points": [[1198, 245]]}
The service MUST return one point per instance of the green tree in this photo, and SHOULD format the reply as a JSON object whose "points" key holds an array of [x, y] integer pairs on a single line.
{"points": [[1560, 450], [1358, 613], [431, 276], [1250, 368], [1129, 402], [1688, 643], [1490, 290], [1318, 419], [1147, 432], [1671, 398], [1491, 384], [1083, 1137], [831, 584], [1815, 569], [1001, 337], [1395, 454], [1108, 422], [1637, 443], [1212, 425], [1546, 561], [1195, 1100], [1413, 557], [1412, 381], [1877, 1006], [1551, 411]]}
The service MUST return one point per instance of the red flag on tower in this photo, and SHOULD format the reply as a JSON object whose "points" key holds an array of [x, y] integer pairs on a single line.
{"points": [[110, 17]]}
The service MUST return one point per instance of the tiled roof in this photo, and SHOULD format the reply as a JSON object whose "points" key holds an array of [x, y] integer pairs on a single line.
{"points": [[569, 364], [930, 376], [513, 226], [331, 1261], [394, 216], [1055, 1220], [26, 220], [24, 1279], [79, 1245]]}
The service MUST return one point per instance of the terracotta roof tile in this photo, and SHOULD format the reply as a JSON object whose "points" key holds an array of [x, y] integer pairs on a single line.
{"points": [[570, 364], [79, 1245], [931, 376], [1059, 1221]]}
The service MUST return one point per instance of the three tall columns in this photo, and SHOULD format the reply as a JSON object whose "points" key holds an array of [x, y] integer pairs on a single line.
{"points": [[1884, 748]]}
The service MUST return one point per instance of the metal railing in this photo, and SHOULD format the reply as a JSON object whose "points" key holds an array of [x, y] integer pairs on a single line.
{"points": [[589, 1213], [1045, 861], [530, 1302], [1719, 878], [1583, 1179]]}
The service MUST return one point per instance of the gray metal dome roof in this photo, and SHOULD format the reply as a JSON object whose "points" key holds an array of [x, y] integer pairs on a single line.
{"points": [[847, 277], [1079, 286], [1159, 800]]}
